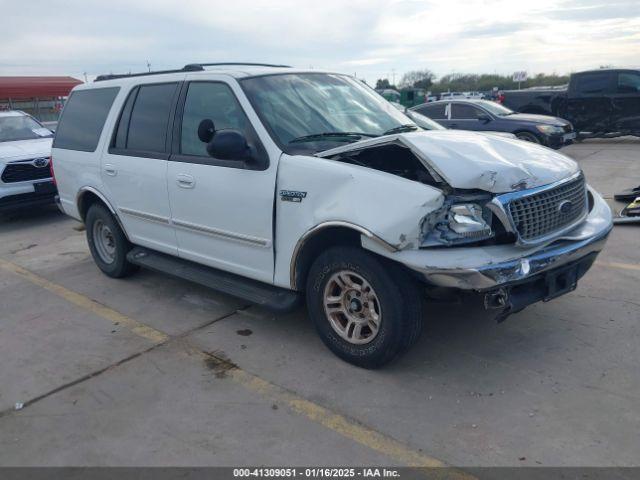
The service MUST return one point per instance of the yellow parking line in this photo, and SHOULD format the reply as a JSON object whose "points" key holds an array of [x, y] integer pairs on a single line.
{"points": [[86, 303], [340, 424], [335, 422], [622, 266]]}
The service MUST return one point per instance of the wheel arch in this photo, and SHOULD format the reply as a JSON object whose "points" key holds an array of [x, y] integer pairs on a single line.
{"points": [[87, 196], [319, 238], [528, 131]]}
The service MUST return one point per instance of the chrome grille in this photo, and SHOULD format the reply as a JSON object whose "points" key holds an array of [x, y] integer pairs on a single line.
{"points": [[23, 172], [541, 214]]}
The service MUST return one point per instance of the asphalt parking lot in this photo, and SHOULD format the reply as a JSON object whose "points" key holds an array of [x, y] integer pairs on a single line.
{"points": [[155, 371]]}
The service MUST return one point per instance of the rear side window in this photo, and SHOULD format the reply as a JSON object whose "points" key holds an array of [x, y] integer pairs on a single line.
{"points": [[436, 112], [150, 117], [83, 119], [592, 83], [628, 82]]}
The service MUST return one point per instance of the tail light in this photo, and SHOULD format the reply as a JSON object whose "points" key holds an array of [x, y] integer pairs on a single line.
{"points": [[53, 175]]}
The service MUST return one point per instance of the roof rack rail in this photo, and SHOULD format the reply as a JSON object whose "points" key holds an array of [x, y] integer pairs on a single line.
{"points": [[191, 67], [222, 64]]}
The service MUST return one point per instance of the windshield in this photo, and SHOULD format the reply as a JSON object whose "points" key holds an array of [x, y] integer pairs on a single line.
{"points": [[21, 128], [495, 108], [310, 111]]}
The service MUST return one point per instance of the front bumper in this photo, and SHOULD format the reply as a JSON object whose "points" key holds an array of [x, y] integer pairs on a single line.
{"points": [[486, 268], [559, 140], [26, 195]]}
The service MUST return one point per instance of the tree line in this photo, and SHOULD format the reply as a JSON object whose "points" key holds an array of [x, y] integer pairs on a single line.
{"points": [[466, 82]]}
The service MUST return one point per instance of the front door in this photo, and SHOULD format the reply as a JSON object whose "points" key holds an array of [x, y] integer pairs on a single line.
{"points": [[134, 169], [222, 210], [465, 117]]}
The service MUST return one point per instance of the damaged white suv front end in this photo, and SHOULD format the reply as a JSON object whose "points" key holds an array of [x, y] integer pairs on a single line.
{"points": [[516, 221]]}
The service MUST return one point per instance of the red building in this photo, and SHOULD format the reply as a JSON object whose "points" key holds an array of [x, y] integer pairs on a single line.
{"points": [[41, 97]]}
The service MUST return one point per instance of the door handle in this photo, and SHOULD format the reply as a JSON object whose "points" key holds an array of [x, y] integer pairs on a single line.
{"points": [[453, 125], [185, 181], [110, 170]]}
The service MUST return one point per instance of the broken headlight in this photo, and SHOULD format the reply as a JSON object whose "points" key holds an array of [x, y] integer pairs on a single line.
{"points": [[460, 223]]}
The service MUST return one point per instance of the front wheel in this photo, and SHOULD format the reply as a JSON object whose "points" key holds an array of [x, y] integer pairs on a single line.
{"points": [[529, 137], [366, 310]]}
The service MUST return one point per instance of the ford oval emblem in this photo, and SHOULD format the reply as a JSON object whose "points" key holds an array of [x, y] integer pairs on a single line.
{"points": [[565, 207], [41, 162]]}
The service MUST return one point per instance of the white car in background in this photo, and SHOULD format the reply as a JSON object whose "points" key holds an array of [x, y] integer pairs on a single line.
{"points": [[25, 154], [473, 95]]}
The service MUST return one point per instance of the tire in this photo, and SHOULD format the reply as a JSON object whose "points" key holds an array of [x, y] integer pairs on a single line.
{"points": [[529, 137], [107, 242], [385, 290]]}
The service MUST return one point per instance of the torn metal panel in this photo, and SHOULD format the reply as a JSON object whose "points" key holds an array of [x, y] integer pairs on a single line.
{"points": [[467, 160], [392, 208]]}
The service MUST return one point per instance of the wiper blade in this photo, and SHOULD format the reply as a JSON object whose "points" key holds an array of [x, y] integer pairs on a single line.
{"points": [[316, 136], [401, 128]]}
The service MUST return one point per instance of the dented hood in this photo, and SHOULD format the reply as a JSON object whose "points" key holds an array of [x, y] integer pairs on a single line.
{"points": [[469, 160]]}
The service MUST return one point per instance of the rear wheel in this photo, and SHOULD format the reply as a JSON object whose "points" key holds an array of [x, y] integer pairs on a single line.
{"points": [[107, 242], [529, 137], [366, 310]]}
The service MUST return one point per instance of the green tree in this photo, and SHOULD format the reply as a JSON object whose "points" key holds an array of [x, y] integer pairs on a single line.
{"points": [[417, 79], [382, 83]]}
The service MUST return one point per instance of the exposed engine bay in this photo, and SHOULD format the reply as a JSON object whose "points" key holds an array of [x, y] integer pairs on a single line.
{"points": [[390, 158]]}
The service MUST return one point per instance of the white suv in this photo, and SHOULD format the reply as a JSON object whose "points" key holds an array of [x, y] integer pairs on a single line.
{"points": [[272, 184], [25, 150]]}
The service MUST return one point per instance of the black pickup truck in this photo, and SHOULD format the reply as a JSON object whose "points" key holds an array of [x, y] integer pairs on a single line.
{"points": [[599, 103]]}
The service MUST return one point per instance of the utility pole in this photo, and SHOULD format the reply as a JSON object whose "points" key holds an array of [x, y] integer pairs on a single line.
{"points": [[393, 74], [148, 65], [85, 77]]}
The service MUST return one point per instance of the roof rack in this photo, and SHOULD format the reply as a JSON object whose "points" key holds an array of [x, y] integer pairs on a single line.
{"points": [[191, 67], [222, 64]]}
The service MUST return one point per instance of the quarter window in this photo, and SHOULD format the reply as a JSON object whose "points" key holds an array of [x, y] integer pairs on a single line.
{"points": [[83, 119], [213, 101]]}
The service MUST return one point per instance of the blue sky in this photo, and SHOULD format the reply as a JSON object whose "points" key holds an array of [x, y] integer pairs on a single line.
{"points": [[372, 38]]}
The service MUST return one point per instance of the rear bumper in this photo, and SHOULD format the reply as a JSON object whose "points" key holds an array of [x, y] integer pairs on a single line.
{"points": [[484, 269]]}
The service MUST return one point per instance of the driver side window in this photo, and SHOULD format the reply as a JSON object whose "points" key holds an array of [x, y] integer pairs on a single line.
{"points": [[209, 100], [461, 111]]}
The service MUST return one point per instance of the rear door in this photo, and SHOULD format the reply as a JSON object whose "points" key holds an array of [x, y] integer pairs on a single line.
{"points": [[589, 101], [626, 102], [134, 169], [222, 209], [435, 111]]}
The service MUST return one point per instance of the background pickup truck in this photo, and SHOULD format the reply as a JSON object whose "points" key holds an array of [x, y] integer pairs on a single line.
{"points": [[598, 103]]}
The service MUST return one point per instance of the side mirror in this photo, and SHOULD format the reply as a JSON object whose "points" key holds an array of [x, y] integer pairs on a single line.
{"points": [[484, 118], [206, 130], [229, 145]]}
